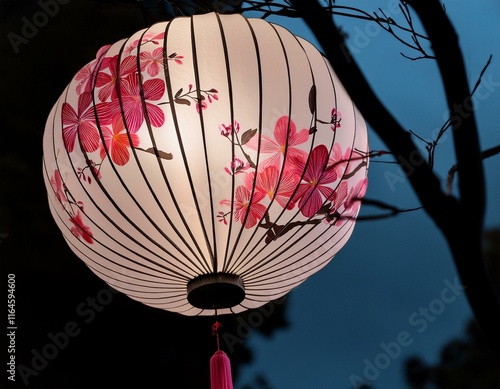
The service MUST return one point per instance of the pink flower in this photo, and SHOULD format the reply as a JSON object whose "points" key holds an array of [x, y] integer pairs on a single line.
{"points": [[132, 103], [80, 230], [58, 186], [285, 138], [335, 120], [201, 106], [243, 206], [117, 142], [339, 196], [267, 184], [149, 37], [176, 58], [227, 129], [237, 166], [81, 123], [86, 75], [107, 82], [316, 176], [356, 193], [339, 161], [152, 61], [351, 201]]}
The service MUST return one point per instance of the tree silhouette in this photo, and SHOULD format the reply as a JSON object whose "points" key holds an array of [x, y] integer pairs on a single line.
{"points": [[469, 362], [465, 363], [445, 210]]}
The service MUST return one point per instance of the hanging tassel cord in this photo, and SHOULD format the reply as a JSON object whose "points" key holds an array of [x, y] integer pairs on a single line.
{"points": [[220, 367], [215, 331]]}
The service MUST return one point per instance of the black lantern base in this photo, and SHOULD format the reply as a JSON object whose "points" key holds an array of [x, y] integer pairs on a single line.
{"points": [[216, 291]]}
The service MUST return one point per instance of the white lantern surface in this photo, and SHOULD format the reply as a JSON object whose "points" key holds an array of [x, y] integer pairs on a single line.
{"points": [[212, 162]]}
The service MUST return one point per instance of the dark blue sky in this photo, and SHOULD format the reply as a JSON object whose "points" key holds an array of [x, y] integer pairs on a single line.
{"points": [[380, 285]]}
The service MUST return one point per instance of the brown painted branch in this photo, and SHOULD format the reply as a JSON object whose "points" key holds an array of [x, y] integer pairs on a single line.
{"points": [[465, 238]]}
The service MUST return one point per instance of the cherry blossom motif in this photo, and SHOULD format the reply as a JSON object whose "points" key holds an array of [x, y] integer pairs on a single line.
{"points": [[339, 161], [339, 196], [236, 166], [86, 75], [267, 183], [212, 95], [153, 61], [201, 103], [81, 123], [80, 230], [243, 206], [335, 120], [176, 58], [149, 37], [107, 82], [316, 177], [94, 171], [285, 138], [200, 106], [349, 199], [356, 194], [227, 129], [132, 104], [117, 142], [58, 186], [222, 217]]}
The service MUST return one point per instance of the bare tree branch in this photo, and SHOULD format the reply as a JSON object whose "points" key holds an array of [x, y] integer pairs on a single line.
{"points": [[484, 155], [461, 221]]}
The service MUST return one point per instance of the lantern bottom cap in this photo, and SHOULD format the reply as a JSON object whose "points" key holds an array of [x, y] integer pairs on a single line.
{"points": [[215, 291]]}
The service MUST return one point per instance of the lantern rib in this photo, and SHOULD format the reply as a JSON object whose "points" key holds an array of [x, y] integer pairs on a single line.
{"points": [[170, 270], [180, 274], [165, 209], [261, 276], [168, 277], [114, 223], [96, 179], [160, 165], [211, 250], [227, 260], [247, 258], [168, 83], [235, 268], [267, 270], [170, 286], [148, 217]]}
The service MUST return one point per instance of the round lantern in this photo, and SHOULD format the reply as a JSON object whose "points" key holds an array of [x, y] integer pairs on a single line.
{"points": [[207, 164]]}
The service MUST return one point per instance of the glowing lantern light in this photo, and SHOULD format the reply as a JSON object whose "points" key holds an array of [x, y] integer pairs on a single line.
{"points": [[208, 163]]}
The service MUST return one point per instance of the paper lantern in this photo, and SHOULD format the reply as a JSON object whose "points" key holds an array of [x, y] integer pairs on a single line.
{"points": [[208, 163]]}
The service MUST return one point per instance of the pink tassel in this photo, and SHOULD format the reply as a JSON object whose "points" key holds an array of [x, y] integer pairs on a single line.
{"points": [[220, 371]]}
